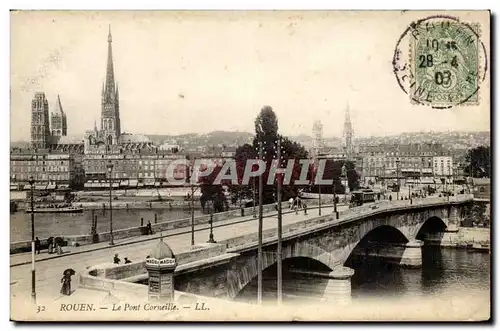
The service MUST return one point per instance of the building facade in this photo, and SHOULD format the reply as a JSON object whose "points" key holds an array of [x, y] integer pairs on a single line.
{"points": [[408, 160], [131, 168], [48, 168], [443, 165]]}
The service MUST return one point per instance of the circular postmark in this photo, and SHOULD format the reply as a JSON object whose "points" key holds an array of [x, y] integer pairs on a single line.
{"points": [[441, 62]]}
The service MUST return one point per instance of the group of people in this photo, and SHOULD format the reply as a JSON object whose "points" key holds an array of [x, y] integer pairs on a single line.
{"points": [[53, 246], [116, 260], [296, 204]]}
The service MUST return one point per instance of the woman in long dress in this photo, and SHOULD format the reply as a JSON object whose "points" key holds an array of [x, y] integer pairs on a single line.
{"points": [[66, 284]]}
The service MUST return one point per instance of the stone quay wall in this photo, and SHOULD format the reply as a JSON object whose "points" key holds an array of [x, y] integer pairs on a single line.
{"points": [[86, 239]]}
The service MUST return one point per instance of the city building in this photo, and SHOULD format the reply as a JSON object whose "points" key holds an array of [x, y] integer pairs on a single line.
{"points": [[49, 169], [132, 168], [442, 165], [409, 161]]}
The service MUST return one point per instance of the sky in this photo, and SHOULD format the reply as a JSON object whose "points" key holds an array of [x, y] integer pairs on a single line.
{"points": [[196, 72]]}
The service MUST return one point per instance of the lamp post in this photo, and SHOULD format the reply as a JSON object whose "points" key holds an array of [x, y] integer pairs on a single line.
{"points": [[253, 198], [211, 221], [280, 223], [319, 194], [259, 249], [335, 201], [344, 175], [192, 203], [33, 291], [421, 175], [110, 172], [453, 172], [397, 176]]}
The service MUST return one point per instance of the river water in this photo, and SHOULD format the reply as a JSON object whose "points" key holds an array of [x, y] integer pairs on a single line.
{"points": [[445, 273], [47, 225]]}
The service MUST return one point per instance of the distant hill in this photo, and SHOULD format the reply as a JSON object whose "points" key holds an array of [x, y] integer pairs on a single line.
{"points": [[215, 138]]}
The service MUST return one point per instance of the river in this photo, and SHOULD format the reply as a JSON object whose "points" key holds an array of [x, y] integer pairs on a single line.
{"points": [[61, 224], [445, 273]]}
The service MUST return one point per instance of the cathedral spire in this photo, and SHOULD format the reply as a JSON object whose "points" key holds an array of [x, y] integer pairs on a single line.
{"points": [[110, 75], [59, 108], [348, 134]]}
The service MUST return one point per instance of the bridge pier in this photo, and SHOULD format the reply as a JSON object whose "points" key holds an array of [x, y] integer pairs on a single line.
{"points": [[412, 255], [338, 287], [453, 219], [405, 255]]}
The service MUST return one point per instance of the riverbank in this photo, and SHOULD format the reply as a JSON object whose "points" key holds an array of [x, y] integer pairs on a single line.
{"points": [[466, 236], [103, 204]]}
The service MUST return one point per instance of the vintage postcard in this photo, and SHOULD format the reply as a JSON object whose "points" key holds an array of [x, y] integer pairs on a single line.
{"points": [[250, 166]]}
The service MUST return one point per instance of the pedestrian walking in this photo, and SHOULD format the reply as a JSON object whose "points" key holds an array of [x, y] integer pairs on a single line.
{"points": [[59, 250], [150, 230], [290, 203], [116, 259], [37, 245], [305, 208], [50, 243], [66, 281]]}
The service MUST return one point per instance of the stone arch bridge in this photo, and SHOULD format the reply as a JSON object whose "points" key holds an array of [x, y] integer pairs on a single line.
{"points": [[397, 230]]}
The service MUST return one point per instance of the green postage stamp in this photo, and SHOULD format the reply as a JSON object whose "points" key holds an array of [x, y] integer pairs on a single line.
{"points": [[445, 63], [440, 61]]}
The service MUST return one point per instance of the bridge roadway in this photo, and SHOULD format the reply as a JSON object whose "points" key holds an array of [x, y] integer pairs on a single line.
{"points": [[49, 268]]}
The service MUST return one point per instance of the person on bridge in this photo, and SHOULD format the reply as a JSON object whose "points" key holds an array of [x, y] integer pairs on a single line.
{"points": [[116, 259]]}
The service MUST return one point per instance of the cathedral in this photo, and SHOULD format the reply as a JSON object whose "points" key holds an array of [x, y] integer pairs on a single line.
{"points": [[52, 132], [108, 137]]}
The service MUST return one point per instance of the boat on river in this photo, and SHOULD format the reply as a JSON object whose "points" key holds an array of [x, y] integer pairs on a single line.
{"points": [[56, 209], [483, 248]]}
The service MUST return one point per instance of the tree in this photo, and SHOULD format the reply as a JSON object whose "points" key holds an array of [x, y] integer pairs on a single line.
{"points": [[352, 176], [266, 134], [212, 192], [242, 190], [478, 162], [332, 171]]}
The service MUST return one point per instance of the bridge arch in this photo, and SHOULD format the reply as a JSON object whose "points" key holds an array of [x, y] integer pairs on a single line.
{"points": [[238, 279], [384, 234], [431, 226]]}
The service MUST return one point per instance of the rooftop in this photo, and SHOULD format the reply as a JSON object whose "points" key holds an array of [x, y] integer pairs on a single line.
{"points": [[162, 251]]}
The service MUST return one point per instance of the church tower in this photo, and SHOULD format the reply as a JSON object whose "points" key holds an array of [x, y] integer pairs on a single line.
{"points": [[110, 109], [58, 122], [347, 139], [40, 130], [318, 138]]}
